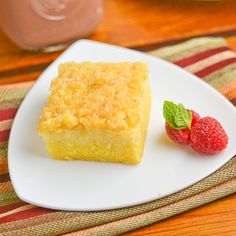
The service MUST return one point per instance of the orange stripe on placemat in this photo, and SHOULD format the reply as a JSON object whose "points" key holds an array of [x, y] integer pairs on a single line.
{"points": [[12, 206], [231, 94], [6, 186], [228, 87], [199, 56], [208, 70], [16, 86], [4, 135], [7, 114], [23, 214], [3, 165]]}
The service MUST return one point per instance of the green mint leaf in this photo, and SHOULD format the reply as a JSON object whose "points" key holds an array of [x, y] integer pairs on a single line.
{"points": [[183, 118], [169, 112]]}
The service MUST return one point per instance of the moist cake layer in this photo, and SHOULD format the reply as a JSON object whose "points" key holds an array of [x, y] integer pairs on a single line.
{"points": [[97, 111]]}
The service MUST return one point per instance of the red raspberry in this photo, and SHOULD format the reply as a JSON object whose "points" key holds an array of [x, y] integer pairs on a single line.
{"points": [[181, 136], [208, 136], [195, 117]]}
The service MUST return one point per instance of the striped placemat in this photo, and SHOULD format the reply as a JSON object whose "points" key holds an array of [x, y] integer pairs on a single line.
{"points": [[208, 58]]}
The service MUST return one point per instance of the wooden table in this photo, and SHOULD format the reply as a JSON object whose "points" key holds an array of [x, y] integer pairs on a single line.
{"points": [[146, 25]]}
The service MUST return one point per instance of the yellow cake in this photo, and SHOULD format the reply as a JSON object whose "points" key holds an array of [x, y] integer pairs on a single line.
{"points": [[97, 112]]}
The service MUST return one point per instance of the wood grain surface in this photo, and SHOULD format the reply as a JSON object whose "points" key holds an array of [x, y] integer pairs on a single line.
{"points": [[135, 23], [138, 23], [216, 219], [146, 25]]}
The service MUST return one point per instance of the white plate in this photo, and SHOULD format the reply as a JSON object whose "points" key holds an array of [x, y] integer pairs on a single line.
{"points": [[166, 168]]}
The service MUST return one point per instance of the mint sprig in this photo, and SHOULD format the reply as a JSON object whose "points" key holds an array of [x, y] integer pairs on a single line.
{"points": [[177, 116]]}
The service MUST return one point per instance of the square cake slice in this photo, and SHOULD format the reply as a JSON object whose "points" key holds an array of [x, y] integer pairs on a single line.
{"points": [[97, 112]]}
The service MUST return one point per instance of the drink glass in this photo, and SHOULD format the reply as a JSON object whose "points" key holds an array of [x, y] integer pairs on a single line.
{"points": [[49, 24]]}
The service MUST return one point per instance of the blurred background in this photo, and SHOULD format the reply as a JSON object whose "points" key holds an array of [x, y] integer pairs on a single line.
{"points": [[141, 24]]}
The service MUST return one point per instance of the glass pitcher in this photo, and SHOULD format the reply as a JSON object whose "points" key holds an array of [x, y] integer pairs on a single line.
{"points": [[49, 24]]}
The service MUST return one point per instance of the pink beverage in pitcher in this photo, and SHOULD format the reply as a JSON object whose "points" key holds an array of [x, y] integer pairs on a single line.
{"points": [[49, 24]]}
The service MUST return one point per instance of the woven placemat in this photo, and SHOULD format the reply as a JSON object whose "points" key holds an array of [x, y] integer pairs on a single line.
{"points": [[210, 59]]}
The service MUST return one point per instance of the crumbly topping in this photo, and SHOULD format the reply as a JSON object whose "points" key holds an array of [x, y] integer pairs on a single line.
{"points": [[95, 95]]}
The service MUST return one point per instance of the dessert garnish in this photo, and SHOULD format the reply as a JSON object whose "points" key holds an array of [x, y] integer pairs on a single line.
{"points": [[205, 135]]}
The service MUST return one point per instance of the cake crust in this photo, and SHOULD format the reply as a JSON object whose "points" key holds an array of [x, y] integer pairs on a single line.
{"points": [[95, 96]]}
